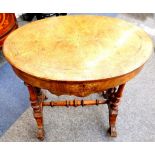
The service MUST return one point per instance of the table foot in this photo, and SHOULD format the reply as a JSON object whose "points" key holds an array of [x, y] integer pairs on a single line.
{"points": [[113, 96], [112, 131], [40, 134]]}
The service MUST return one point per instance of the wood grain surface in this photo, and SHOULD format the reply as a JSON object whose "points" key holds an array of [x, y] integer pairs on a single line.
{"points": [[77, 55], [78, 48]]}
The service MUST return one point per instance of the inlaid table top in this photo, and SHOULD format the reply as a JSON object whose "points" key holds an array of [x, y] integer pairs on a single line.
{"points": [[77, 55], [78, 48]]}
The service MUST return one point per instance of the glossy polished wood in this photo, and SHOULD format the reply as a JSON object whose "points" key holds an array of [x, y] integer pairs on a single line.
{"points": [[77, 55], [77, 88], [78, 48], [8, 23]]}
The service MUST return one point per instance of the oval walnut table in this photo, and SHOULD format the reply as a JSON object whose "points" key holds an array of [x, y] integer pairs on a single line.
{"points": [[77, 55], [8, 23]]}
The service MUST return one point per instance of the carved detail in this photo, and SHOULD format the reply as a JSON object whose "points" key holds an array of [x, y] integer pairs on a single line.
{"points": [[113, 96]]}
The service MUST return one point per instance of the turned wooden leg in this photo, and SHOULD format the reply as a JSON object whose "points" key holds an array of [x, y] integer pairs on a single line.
{"points": [[113, 100], [36, 98]]}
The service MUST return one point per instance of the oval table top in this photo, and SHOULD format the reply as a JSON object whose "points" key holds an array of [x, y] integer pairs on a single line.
{"points": [[78, 48]]}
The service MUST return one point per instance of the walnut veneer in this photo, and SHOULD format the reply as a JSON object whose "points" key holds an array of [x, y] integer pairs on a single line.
{"points": [[77, 55]]}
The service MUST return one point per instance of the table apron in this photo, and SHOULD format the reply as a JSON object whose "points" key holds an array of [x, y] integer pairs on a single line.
{"points": [[77, 88]]}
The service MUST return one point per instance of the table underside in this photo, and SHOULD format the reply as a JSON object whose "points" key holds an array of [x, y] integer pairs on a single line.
{"points": [[112, 90], [111, 97], [77, 88]]}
